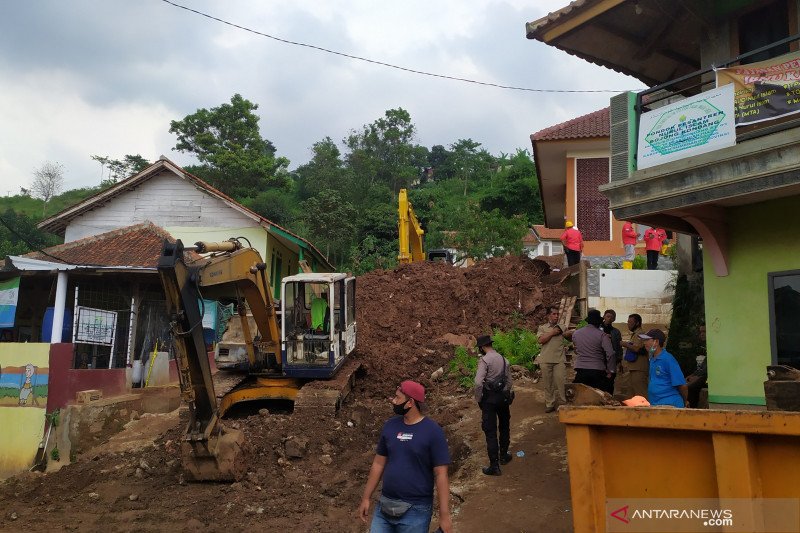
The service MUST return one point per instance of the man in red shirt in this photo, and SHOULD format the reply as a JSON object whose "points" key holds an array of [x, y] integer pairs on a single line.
{"points": [[573, 243], [653, 239], [629, 238]]}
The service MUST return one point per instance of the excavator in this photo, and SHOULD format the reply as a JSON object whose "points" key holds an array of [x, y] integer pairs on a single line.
{"points": [[290, 354], [411, 236]]}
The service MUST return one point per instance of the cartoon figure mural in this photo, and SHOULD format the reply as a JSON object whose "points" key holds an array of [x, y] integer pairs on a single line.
{"points": [[26, 389], [23, 400]]}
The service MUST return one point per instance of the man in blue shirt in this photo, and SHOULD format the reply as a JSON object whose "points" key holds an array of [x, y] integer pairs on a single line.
{"points": [[667, 385], [412, 456]]}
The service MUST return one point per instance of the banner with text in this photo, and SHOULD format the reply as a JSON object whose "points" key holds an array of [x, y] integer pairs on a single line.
{"points": [[9, 293], [765, 90], [689, 127], [95, 326]]}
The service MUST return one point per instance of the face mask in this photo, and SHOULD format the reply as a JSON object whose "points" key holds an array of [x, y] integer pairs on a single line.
{"points": [[399, 409], [653, 350]]}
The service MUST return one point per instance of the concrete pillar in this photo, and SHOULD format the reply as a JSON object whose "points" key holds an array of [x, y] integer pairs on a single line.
{"points": [[58, 311]]}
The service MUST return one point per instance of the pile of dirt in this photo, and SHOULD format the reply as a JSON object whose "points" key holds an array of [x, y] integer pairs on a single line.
{"points": [[410, 318], [303, 473]]}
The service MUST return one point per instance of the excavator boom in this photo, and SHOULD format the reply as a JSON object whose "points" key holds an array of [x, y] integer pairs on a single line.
{"points": [[409, 230]]}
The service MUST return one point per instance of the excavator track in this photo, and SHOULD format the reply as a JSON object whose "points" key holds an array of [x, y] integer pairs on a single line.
{"points": [[325, 397]]}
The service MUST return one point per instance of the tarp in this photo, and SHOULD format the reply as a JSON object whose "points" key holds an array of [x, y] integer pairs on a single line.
{"points": [[765, 90]]}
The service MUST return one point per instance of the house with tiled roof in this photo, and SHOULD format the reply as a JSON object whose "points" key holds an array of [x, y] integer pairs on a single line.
{"points": [[542, 241], [189, 209], [572, 161]]}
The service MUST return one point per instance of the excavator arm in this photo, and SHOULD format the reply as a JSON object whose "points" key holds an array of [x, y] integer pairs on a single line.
{"points": [[409, 230]]}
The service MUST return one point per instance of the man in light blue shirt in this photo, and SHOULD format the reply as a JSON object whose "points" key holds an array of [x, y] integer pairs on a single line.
{"points": [[667, 385]]}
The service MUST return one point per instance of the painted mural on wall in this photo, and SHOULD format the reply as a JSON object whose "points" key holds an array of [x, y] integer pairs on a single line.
{"points": [[24, 379]]}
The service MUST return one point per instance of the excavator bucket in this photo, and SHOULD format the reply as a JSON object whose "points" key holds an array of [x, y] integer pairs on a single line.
{"points": [[217, 459]]}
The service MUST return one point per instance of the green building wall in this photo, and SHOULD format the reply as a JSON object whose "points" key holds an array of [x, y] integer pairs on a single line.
{"points": [[762, 238]]}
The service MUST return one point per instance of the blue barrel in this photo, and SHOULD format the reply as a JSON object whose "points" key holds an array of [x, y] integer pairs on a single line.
{"points": [[47, 325]]}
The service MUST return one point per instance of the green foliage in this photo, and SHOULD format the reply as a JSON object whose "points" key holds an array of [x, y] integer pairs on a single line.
{"points": [[520, 346], [119, 169], [639, 262], [479, 234], [55, 455], [278, 205], [54, 417], [331, 221], [227, 141], [19, 234], [463, 365], [688, 313]]}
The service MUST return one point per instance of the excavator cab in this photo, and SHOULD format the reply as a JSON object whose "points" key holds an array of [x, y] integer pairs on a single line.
{"points": [[318, 327]]}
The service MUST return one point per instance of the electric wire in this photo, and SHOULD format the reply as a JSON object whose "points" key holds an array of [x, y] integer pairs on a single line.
{"points": [[383, 63], [34, 248]]}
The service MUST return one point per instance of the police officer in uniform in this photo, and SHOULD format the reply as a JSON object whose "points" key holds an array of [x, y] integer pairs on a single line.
{"points": [[493, 383]]}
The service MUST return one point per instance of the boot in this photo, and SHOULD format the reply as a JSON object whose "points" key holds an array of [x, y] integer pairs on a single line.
{"points": [[492, 470], [505, 458]]}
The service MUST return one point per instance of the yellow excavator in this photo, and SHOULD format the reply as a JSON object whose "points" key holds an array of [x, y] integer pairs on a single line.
{"points": [[411, 236], [298, 352], [410, 231]]}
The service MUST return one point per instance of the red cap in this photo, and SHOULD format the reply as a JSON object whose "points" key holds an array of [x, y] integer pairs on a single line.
{"points": [[413, 390]]}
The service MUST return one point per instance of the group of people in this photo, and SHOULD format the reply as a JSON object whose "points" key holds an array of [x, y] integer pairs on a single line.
{"points": [[654, 240], [412, 455], [637, 365]]}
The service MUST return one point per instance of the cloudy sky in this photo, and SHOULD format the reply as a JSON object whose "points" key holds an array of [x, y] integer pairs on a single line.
{"points": [[106, 77]]}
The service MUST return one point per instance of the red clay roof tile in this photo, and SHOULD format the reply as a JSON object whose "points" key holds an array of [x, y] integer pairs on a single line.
{"points": [[595, 124]]}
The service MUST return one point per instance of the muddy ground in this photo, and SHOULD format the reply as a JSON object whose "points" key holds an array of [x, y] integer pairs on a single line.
{"points": [[307, 473]]}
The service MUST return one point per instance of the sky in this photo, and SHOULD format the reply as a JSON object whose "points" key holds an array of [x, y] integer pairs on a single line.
{"points": [[106, 77]]}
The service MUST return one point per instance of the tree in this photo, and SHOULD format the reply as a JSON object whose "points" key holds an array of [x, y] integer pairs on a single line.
{"points": [[227, 141], [479, 234], [19, 234], [330, 222], [48, 180], [325, 171], [514, 189], [384, 152], [120, 169]]}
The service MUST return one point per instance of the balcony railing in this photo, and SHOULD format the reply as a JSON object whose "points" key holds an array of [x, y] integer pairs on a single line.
{"points": [[703, 80]]}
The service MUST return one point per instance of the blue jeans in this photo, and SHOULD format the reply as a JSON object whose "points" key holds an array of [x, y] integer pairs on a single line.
{"points": [[416, 520]]}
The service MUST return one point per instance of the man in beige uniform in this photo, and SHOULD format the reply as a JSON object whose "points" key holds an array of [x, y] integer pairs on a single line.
{"points": [[632, 380], [552, 361]]}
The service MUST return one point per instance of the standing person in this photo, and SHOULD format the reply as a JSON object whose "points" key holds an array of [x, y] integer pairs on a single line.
{"points": [[629, 238], [632, 379], [653, 239], [609, 316], [573, 243], [594, 356], [552, 361], [667, 385], [412, 456], [492, 382]]}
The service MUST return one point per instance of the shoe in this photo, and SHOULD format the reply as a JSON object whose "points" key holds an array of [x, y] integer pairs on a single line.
{"points": [[550, 409], [492, 470], [505, 458]]}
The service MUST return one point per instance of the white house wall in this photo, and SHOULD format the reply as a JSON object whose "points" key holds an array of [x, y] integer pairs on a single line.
{"points": [[165, 200]]}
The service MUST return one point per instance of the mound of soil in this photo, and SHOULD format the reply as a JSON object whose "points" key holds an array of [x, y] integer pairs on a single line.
{"points": [[409, 318]]}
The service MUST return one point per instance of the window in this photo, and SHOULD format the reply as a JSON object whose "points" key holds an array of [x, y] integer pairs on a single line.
{"points": [[762, 27], [784, 301]]}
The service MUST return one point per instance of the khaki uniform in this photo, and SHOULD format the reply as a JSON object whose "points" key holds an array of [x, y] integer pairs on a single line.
{"points": [[633, 377], [552, 362]]}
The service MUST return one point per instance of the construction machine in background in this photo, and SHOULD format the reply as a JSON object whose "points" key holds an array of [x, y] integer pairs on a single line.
{"points": [[411, 236], [282, 353], [409, 230]]}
